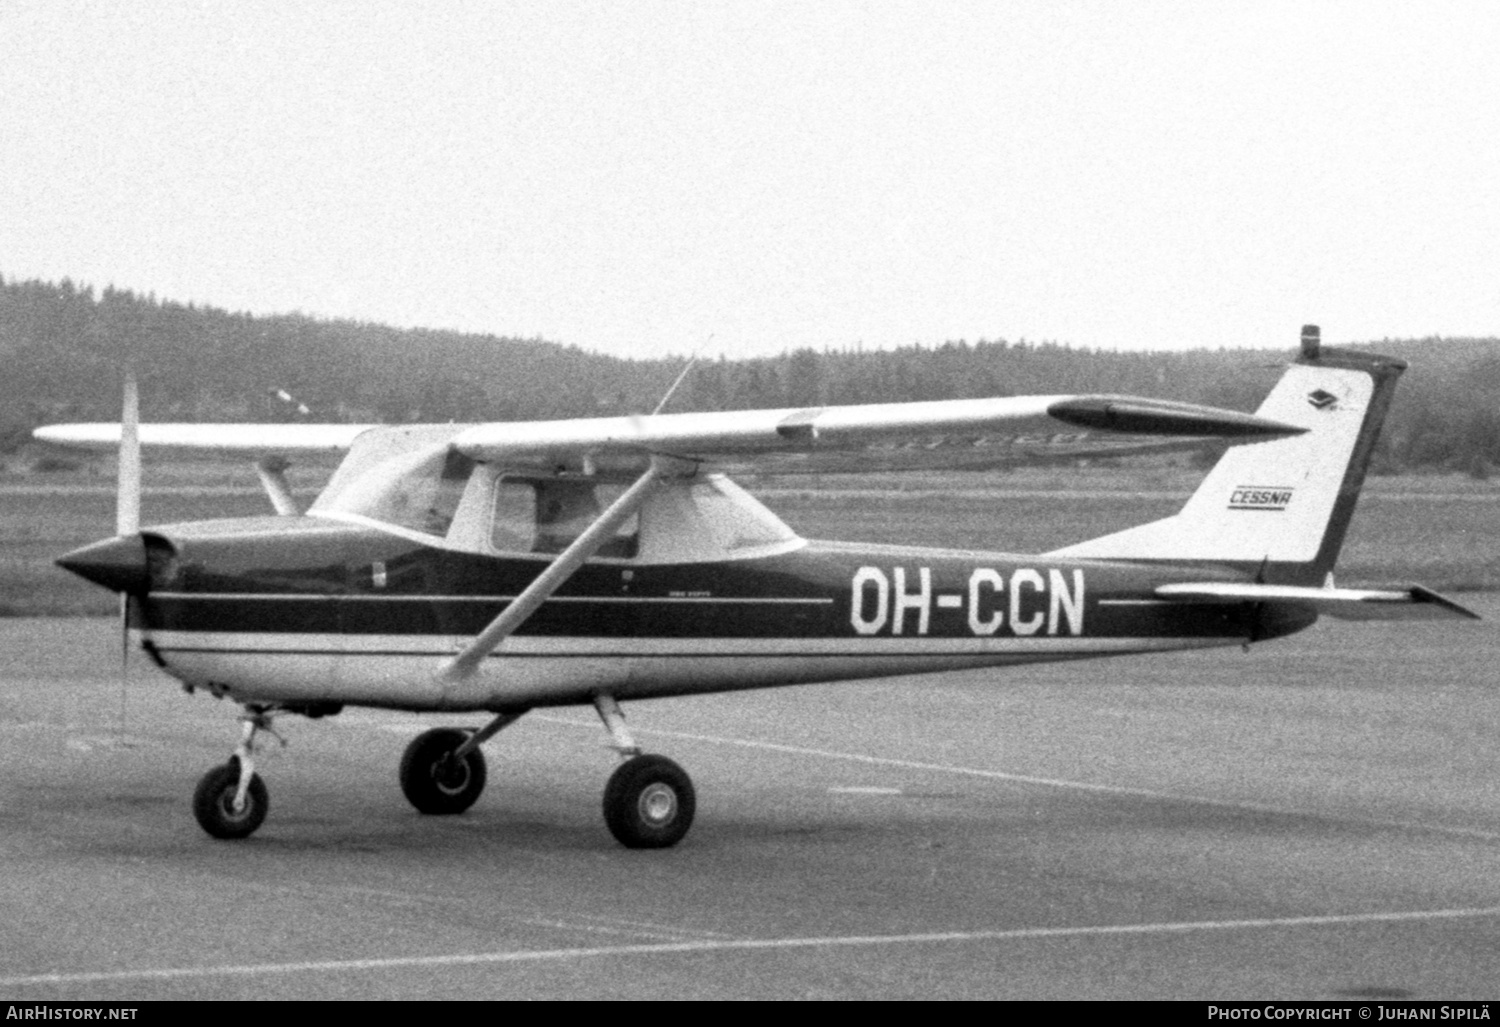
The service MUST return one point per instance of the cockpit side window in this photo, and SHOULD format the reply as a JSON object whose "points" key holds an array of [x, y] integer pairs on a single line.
{"points": [[513, 528], [547, 515]]}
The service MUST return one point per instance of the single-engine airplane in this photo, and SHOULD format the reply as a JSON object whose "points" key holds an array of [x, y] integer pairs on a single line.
{"points": [[498, 568]]}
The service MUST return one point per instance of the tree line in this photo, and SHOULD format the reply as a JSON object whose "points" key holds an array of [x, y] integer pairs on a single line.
{"points": [[65, 344]]}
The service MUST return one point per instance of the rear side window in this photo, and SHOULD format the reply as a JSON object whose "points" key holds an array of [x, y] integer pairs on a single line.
{"points": [[547, 515]]}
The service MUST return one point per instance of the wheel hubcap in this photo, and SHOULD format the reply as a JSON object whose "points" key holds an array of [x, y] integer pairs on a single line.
{"points": [[658, 804], [451, 775], [231, 809]]}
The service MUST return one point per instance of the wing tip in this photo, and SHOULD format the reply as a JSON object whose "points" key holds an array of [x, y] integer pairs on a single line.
{"points": [[1422, 594], [1134, 415]]}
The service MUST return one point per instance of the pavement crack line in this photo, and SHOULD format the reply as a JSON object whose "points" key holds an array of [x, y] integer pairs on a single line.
{"points": [[710, 946], [1472, 833]]}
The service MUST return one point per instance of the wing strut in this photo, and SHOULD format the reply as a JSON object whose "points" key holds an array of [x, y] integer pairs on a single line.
{"points": [[272, 471], [557, 572]]}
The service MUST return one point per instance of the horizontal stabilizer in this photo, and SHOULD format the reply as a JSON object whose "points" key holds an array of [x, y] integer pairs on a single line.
{"points": [[1416, 603]]}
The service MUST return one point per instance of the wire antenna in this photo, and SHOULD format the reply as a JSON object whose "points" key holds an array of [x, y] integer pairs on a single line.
{"points": [[683, 373]]}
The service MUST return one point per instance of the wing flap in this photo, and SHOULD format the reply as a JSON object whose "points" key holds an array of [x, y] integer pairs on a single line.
{"points": [[1415, 603]]}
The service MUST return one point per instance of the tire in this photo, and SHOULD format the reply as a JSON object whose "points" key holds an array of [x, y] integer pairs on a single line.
{"points": [[213, 802], [432, 782], [649, 803]]}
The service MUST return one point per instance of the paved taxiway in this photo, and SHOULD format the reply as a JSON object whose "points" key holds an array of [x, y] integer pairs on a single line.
{"points": [[1317, 819]]}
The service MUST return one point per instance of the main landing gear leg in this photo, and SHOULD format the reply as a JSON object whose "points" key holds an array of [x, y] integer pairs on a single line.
{"points": [[649, 801], [231, 800]]}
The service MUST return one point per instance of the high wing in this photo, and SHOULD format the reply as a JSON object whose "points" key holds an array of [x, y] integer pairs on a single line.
{"points": [[249, 440], [872, 437]]}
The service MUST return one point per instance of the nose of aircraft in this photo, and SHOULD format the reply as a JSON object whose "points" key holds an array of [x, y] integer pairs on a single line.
{"points": [[119, 564]]}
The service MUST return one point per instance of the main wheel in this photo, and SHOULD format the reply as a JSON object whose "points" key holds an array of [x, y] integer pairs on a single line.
{"points": [[213, 802], [436, 783], [649, 803]]}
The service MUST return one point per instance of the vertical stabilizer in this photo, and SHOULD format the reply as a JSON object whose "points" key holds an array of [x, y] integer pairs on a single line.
{"points": [[1281, 507]]}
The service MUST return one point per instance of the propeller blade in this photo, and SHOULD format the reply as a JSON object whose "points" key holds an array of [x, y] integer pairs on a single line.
{"points": [[128, 487], [128, 515], [124, 659]]}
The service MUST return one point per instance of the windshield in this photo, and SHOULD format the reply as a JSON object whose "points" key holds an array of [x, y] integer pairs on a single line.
{"points": [[418, 489]]}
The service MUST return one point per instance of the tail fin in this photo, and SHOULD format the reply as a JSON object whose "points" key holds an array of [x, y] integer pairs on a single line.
{"points": [[1279, 508]]}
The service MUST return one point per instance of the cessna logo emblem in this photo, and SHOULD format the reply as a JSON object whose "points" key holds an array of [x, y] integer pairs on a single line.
{"points": [[1322, 399], [1260, 497]]}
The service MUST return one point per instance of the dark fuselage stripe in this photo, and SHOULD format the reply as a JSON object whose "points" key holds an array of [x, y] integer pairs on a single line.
{"points": [[606, 655], [366, 596]]}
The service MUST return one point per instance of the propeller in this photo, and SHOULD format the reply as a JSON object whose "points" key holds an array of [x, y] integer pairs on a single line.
{"points": [[127, 513]]}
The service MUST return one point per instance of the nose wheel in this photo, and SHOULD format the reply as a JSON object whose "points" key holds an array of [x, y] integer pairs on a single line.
{"points": [[220, 809], [231, 800]]}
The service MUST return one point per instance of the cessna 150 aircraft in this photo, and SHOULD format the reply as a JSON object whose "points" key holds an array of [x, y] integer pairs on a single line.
{"points": [[503, 567]]}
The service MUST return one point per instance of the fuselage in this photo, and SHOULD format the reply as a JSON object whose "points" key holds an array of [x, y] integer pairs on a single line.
{"points": [[310, 611]]}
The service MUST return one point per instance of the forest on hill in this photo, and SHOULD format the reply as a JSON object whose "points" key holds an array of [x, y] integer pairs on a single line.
{"points": [[64, 346]]}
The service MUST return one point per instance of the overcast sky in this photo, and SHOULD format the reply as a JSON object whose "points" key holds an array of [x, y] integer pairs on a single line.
{"points": [[633, 177]]}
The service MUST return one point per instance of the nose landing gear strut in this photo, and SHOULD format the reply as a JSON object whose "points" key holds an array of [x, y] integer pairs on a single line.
{"points": [[231, 800]]}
